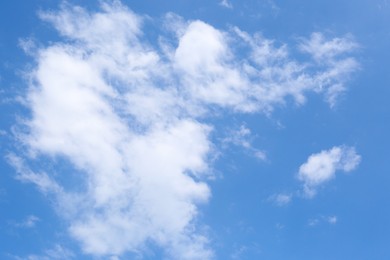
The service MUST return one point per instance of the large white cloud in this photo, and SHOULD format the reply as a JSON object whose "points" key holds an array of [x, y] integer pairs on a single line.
{"points": [[128, 114], [321, 167]]}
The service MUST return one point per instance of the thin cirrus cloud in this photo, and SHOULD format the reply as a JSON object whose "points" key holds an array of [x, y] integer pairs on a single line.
{"points": [[322, 167], [332, 220], [29, 222], [226, 4], [281, 199], [241, 137], [128, 114], [57, 252]]}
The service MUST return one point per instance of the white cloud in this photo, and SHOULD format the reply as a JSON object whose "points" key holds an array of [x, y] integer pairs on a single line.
{"points": [[322, 167], [332, 54], [128, 115], [243, 251], [281, 199], [24, 174], [58, 252], [241, 137], [226, 3], [239, 252], [326, 50], [313, 222], [29, 222], [332, 220]]}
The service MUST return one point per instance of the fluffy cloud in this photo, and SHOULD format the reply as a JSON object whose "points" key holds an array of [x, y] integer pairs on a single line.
{"points": [[322, 167], [128, 115]]}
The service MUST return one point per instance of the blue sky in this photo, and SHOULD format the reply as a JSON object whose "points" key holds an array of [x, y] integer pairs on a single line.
{"points": [[194, 129]]}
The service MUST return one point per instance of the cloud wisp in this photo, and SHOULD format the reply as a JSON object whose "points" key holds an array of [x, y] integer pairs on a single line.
{"points": [[281, 199], [321, 167], [226, 4], [241, 138], [128, 114], [331, 220]]}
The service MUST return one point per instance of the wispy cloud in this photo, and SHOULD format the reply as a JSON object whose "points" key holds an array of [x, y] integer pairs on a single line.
{"points": [[57, 252], [241, 137], [129, 115], [242, 251], [281, 199], [321, 167], [332, 54], [29, 222], [332, 220], [226, 3], [45, 183]]}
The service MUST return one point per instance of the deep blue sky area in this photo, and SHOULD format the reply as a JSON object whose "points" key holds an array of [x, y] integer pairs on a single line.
{"points": [[259, 204]]}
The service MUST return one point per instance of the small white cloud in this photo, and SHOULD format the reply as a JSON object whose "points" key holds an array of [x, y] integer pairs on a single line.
{"points": [[238, 137], [281, 199], [261, 155], [332, 219], [239, 252], [313, 222], [29, 222], [322, 167], [242, 137], [226, 3], [28, 45], [243, 251]]}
